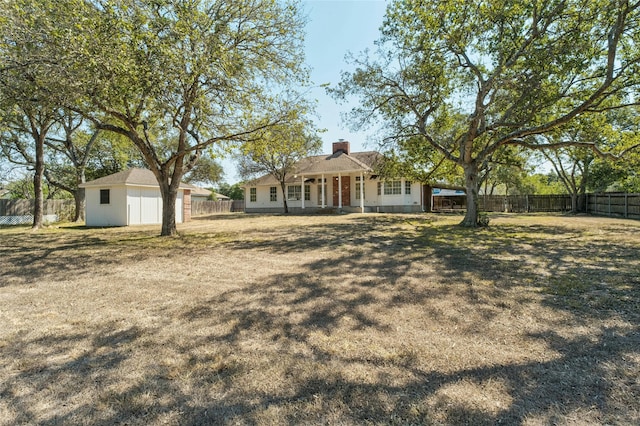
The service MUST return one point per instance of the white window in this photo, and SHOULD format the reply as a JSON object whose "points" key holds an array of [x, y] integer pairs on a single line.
{"points": [[407, 187], [294, 192], [273, 194], [253, 195], [393, 187]]}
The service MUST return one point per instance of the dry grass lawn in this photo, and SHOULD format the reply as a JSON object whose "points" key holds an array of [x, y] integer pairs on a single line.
{"points": [[354, 319]]}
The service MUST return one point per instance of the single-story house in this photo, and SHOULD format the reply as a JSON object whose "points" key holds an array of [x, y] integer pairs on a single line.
{"points": [[203, 194], [342, 180], [131, 197], [221, 197], [200, 194]]}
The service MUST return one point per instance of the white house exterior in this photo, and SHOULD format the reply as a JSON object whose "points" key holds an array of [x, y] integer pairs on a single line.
{"points": [[130, 197], [344, 181]]}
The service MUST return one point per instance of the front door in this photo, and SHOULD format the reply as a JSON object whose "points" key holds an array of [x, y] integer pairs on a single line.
{"points": [[346, 191]]}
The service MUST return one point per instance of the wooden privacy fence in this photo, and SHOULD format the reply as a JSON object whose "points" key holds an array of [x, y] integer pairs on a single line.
{"points": [[524, 203], [16, 212], [25, 207], [610, 204], [607, 204], [20, 212], [614, 204], [205, 207]]}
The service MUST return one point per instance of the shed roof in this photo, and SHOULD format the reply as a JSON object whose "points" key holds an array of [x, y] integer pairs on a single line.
{"points": [[130, 177]]}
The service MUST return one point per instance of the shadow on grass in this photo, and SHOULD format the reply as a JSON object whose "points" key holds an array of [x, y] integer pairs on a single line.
{"points": [[26, 258], [378, 269]]}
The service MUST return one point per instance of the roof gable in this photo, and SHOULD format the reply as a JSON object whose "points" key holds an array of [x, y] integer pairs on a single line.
{"points": [[339, 162], [130, 177], [335, 163]]}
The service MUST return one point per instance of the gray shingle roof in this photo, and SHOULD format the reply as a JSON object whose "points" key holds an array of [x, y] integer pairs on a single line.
{"points": [[340, 162], [131, 177]]}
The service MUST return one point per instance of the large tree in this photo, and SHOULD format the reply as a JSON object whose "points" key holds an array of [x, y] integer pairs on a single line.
{"points": [[26, 116], [23, 129], [488, 74], [174, 76], [207, 171], [70, 149], [277, 151], [589, 145]]}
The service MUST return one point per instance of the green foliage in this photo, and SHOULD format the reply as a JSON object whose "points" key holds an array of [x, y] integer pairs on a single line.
{"points": [[235, 191], [173, 77], [464, 80], [206, 171], [544, 184], [112, 153], [505, 172], [277, 149], [22, 188]]}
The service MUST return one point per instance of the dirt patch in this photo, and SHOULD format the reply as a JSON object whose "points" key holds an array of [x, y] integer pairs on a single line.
{"points": [[344, 319]]}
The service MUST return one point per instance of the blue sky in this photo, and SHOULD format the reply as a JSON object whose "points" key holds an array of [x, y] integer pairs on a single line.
{"points": [[334, 28]]}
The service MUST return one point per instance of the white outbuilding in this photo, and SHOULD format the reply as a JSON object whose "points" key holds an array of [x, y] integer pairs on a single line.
{"points": [[131, 197]]}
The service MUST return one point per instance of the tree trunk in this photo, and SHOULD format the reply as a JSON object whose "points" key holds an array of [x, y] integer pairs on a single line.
{"points": [[284, 198], [38, 177], [471, 186], [79, 197], [169, 197], [574, 203]]}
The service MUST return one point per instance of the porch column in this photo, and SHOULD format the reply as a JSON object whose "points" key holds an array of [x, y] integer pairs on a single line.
{"points": [[361, 192], [323, 195], [302, 191], [339, 190]]}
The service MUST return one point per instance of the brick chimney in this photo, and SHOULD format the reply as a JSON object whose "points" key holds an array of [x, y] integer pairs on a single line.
{"points": [[343, 146]]}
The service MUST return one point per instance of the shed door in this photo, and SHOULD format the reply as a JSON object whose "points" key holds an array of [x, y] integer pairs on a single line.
{"points": [[150, 206]]}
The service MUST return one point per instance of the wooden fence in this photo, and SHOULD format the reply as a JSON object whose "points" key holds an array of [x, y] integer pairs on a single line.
{"points": [[25, 207], [206, 207], [64, 209], [614, 204], [607, 204], [524, 203], [610, 204]]}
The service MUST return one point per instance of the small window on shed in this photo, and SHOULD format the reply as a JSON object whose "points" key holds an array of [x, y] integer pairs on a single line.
{"points": [[104, 196]]}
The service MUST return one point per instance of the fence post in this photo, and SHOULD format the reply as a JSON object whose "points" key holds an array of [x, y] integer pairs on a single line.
{"points": [[586, 203], [626, 205]]}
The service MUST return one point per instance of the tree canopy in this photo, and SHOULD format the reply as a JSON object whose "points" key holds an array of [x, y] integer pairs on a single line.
{"points": [[466, 79], [172, 76], [278, 150]]}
